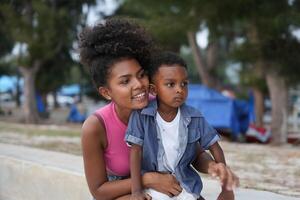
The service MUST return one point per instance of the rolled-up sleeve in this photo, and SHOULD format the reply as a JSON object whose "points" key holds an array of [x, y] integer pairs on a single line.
{"points": [[135, 129], [209, 135]]}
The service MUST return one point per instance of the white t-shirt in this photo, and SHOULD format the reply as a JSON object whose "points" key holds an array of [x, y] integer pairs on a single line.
{"points": [[170, 139]]}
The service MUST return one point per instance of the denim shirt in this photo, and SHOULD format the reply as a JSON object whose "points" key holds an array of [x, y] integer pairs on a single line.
{"points": [[193, 129]]}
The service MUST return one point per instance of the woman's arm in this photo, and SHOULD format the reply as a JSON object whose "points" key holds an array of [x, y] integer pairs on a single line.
{"points": [[93, 142]]}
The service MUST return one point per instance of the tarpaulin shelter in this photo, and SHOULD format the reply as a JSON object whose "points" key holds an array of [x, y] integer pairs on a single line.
{"points": [[220, 111]]}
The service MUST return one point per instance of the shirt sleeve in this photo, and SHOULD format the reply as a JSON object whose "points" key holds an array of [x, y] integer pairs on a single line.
{"points": [[209, 135], [135, 130]]}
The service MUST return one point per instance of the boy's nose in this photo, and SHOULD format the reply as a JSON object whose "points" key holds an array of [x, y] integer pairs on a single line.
{"points": [[179, 89]]}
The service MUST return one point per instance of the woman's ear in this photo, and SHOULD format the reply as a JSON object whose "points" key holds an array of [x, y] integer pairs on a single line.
{"points": [[152, 89], [103, 91]]}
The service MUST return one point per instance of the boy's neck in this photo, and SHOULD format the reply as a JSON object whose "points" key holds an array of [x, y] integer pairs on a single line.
{"points": [[168, 114]]}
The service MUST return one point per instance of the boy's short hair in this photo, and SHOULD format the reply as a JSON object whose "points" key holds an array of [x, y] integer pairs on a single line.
{"points": [[164, 58]]}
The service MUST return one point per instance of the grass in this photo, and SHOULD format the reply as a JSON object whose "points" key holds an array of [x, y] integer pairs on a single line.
{"points": [[39, 130]]}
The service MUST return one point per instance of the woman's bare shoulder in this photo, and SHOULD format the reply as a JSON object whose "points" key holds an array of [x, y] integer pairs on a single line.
{"points": [[93, 131]]}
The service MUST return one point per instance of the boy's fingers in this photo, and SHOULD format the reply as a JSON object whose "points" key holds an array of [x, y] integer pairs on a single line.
{"points": [[236, 180], [148, 197], [177, 188], [222, 173], [230, 181]]}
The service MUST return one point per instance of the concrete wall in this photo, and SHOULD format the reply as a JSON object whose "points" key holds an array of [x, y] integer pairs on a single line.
{"points": [[34, 174]]}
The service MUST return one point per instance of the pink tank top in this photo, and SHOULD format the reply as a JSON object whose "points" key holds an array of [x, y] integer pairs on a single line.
{"points": [[116, 154]]}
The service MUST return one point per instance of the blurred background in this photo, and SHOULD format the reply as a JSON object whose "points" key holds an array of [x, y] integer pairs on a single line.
{"points": [[244, 66]]}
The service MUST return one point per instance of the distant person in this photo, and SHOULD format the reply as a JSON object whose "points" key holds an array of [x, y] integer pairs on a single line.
{"points": [[117, 54], [77, 112], [165, 134]]}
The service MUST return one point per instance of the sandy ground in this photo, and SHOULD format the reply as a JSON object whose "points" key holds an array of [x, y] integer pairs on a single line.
{"points": [[262, 167]]}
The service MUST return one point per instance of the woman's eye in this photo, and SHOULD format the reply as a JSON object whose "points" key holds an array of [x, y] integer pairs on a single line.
{"points": [[141, 75], [124, 82]]}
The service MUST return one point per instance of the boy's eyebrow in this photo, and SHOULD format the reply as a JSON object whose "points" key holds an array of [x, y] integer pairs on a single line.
{"points": [[171, 79]]}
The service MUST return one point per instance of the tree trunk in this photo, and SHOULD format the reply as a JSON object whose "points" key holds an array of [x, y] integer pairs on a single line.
{"points": [[279, 98], [18, 92], [30, 106], [201, 65], [259, 106], [258, 94], [44, 100], [56, 105]]}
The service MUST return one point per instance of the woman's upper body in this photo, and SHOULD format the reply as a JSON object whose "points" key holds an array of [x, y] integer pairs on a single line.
{"points": [[116, 153]]}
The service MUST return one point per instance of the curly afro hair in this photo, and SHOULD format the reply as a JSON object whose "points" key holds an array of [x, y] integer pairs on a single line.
{"points": [[104, 44], [164, 58]]}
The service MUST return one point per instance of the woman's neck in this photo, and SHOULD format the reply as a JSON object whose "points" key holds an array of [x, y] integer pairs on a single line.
{"points": [[123, 113]]}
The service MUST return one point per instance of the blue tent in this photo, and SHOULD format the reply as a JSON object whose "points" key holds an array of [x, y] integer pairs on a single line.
{"points": [[9, 83], [220, 111], [70, 90]]}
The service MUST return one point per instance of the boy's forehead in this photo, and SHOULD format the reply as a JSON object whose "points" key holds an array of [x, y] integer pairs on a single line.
{"points": [[170, 67], [171, 70]]}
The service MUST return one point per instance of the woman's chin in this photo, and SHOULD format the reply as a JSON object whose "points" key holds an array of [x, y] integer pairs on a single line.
{"points": [[140, 105]]}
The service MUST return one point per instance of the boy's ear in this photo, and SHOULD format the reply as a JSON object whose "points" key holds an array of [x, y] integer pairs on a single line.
{"points": [[103, 91], [152, 89]]}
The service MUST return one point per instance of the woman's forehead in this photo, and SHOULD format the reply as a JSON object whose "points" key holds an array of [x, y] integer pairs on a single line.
{"points": [[125, 67]]}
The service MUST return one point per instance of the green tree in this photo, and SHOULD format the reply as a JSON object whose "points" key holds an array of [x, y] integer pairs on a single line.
{"points": [[44, 29], [261, 31], [270, 48], [175, 23]]}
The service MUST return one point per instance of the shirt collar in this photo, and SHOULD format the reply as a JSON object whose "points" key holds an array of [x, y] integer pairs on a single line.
{"points": [[186, 111]]}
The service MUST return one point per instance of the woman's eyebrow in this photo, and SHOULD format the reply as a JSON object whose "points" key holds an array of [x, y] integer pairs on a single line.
{"points": [[129, 75], [124, 76]]}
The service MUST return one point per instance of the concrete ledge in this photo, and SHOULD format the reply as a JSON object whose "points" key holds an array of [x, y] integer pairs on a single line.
{"points": [[211, 190], [34, 174]]}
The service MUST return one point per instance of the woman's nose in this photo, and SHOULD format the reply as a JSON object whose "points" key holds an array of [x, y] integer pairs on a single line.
{"points": [[137, 83]]}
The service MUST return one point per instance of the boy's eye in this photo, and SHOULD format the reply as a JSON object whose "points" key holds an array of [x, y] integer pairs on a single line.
{"points": [[184, 84], [170, 84]]}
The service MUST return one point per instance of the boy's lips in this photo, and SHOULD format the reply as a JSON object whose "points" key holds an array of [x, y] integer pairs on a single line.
{"points": [[178, 98]]}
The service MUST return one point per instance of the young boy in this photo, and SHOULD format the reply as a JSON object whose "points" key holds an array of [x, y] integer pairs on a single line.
{"points": [[165, 134]]}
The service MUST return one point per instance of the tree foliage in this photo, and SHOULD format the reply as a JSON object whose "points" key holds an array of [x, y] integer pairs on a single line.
{"points": [[47, 30]]}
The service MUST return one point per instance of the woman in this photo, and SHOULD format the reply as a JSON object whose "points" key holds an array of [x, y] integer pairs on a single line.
{"points": [[117, 54]]}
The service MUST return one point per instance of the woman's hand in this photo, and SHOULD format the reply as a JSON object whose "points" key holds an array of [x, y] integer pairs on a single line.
{"points": [[164, 183], [140, 196], [228, 179]]}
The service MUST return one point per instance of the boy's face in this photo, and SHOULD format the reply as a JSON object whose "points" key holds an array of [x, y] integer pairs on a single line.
{"points": [[170, 85]]}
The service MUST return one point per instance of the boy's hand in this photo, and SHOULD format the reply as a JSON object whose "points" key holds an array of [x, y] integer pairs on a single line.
{"points": [[140, 196], [228, 179], [226, 195], [164, 183]]}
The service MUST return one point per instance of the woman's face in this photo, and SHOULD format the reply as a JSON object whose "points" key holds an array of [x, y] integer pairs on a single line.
{"points": [[128, 84]]}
